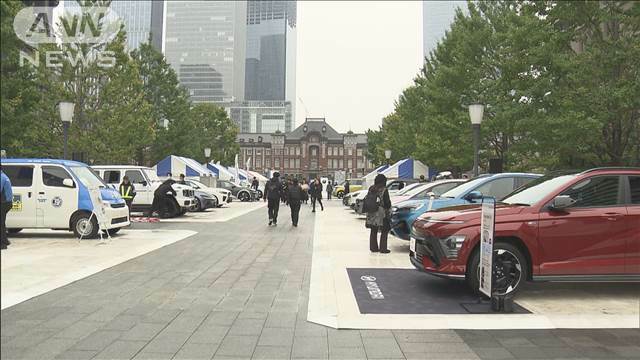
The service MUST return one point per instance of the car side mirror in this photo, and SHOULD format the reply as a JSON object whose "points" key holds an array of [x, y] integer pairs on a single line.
{"points": [[561, 202], [474, 195], [431, 194], [143, 183], [68, 183]]}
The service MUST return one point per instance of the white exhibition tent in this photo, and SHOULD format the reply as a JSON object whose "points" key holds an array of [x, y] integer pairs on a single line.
{"points": [[407, 169], [368, 179], [177, 165], [220, 171]]}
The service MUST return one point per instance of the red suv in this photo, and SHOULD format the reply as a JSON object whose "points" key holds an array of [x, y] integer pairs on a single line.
{"points": [[570, 227]]}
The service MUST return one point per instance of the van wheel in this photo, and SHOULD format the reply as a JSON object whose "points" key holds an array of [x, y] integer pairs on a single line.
{"points": [[85, 226], [510, 269], [14, 230], [340, 194]]}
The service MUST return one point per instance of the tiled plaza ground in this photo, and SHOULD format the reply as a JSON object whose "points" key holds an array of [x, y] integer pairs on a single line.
{"points": [[239, 290]]}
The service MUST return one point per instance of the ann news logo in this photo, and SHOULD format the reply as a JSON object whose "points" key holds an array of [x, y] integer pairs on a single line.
{"points": [[86, 31]]}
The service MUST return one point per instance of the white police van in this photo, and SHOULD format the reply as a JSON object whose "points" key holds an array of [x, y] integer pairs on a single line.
{"points": [[55, 194]]}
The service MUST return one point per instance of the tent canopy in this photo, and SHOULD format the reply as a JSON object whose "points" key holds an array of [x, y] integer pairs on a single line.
{"points": [[407, 169], [370, 177], [181, 165], [220, 171]]}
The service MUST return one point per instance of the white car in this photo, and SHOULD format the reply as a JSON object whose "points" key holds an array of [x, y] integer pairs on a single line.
{"points": [[223, 196], [146, 181]]}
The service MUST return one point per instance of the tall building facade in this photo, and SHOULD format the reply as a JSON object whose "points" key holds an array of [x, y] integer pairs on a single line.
{"points": [[437, 17], [313, 149], [205, 43], [143, 20], [261, 116]]}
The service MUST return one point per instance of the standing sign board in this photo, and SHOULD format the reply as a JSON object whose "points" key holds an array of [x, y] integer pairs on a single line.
{"points": [[487, 227], [98, 208]]}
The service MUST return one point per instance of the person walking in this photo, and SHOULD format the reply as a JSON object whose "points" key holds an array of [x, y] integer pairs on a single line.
{"points": [[329, 190], [305, 191], [273, 193], [346, 187], [127, 191], [255, 184], [316, 195], [6, 202], [378, 219], [294, 197]]}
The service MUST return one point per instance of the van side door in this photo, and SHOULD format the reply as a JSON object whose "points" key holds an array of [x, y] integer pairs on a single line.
{"points": [[23, 212], [144, 195], [56, 201]]}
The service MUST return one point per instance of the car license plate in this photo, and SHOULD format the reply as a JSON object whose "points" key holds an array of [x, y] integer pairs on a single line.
{"points": [[412, 245]]}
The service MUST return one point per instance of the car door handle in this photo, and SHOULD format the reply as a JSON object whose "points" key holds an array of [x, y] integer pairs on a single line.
{"points": [[613, 216], [41, 193]]}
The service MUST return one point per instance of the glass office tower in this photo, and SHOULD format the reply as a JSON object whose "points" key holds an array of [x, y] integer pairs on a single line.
{"points": [[205, 43], [437, 17]]}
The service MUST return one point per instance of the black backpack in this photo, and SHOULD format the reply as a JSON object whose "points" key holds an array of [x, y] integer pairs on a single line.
{"points": [[372, 201], [273, 188], [295, 193]]}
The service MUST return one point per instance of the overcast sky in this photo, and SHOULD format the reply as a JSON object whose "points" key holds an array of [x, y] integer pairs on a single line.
{"points": [[355, 58]]}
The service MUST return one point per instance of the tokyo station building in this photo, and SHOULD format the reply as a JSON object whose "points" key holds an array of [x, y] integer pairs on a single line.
{"points": [[312, 149]]}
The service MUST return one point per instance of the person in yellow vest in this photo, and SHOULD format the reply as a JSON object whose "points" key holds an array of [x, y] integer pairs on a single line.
{"points": [[127, 191]]}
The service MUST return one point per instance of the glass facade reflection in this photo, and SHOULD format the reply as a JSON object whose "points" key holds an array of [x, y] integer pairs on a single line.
{"points": [[205, 43], [270, 58]]}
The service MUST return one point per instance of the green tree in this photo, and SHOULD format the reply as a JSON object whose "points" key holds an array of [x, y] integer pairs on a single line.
{"points": [[30, 124], [214, 129]]}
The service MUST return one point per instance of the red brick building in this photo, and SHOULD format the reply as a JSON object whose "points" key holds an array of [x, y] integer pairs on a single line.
{"points": [[313, 149]]}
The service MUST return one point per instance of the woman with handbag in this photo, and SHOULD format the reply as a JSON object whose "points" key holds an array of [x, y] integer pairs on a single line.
{"points": [[378, 205]]}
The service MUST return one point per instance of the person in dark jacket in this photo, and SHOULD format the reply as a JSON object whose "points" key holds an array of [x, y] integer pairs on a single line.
{"points": [[273, 193], [379, 220], [346, 187], [329, 190], [316, 195], [161, 199], [295, 196], [255, 184], [6, 203], [127, 192]]}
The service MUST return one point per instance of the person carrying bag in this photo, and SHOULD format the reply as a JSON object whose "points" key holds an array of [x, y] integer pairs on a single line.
{"points": [[377, 205]]}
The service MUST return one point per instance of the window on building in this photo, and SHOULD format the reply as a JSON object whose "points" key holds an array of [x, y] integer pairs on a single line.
{"points": [[267, 152], [349, 164], [276, 163], [330, 151], [298, 151], [350, 152], [340, 164], [359, 152], [267, 162], [286, 163], [340, 152], [258, 152], [259, 163], [360, 163]]}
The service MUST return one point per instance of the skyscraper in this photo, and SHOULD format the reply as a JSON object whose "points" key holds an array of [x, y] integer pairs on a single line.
{"points": [[142, 19], [437, 17], [205, 43], [271, 62]]}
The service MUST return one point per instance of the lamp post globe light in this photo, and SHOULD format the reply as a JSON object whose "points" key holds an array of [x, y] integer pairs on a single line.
{"points": [[66, 115], [476, 112], [207, 154], [387, 155]]}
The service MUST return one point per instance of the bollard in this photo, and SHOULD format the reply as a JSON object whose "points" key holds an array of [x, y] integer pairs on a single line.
{"points": [[502, 303]]}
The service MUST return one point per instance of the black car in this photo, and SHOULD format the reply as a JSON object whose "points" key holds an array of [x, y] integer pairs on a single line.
{"points": [[240, 192]]}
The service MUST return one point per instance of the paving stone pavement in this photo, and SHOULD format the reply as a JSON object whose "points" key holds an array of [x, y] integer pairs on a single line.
{"points": [[239, 290]]}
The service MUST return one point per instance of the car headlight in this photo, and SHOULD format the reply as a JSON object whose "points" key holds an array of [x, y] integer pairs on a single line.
{"points": [[451, 245], [408, 208]]}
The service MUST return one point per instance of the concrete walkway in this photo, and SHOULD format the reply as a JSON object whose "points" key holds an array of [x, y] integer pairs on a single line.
{"points": [[239, 290]]}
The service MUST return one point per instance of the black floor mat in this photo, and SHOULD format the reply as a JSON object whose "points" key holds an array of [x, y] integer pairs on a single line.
{"points": [[407, 291]]}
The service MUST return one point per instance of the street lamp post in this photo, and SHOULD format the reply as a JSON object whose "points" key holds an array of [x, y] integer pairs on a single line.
{"points": [[66, 115], [207, 154], [476, 111], [387, 155]]}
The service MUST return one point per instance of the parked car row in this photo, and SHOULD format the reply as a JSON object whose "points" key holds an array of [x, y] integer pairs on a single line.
{"points": [[571, 226], [56, 194]]}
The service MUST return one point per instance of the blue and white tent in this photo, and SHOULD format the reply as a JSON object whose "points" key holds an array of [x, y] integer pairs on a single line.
{"points": [[177, 165], [370, 177], [220, 171], [407, 169]]}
